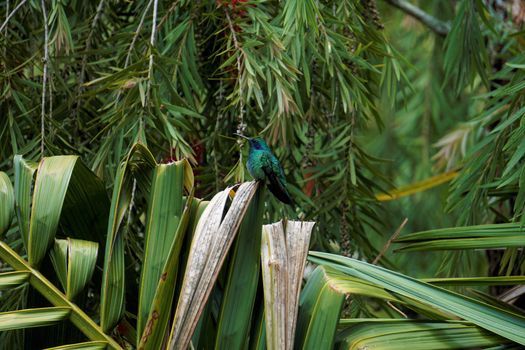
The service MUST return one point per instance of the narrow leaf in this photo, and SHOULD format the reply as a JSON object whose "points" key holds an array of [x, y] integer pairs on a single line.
{"points": [[498, 321], [165, 207], [243, 280], [7, 198], [320, 306], [51, 185], [32, 317], [13, 279], [137, 164], [24, 171]]}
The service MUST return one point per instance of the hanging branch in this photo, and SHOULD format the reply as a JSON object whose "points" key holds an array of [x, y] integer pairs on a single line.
{"points": [[133, 41], [152, 45], [8, 17], [137, 32], [437, 26], [44, 79], [5, 34], [82, 74], [241, 126]]}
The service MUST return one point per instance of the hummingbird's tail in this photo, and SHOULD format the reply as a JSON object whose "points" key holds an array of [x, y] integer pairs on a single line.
{"points": [[279, 191]]}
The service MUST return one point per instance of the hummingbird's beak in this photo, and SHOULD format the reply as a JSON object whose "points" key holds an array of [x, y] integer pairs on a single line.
{"points": [[244, 137]]}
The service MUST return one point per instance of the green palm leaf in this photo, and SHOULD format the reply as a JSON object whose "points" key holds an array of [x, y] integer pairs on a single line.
{"points": [[65, 307], [12, 279], [166, 204], [466, 237], [243, 279], [32, 317], [7, 199], [74, 261], [320, 306], [421, 335], [90, 345], [138, 164], [52, 180], [24, 172], [498, 321]]}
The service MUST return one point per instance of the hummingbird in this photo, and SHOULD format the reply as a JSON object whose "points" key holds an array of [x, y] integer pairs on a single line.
{"points": [[263, 165]]}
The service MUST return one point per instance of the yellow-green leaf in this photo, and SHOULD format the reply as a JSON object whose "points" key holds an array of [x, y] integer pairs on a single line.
{"points": [[13, 279], [7, 198], [32, 317], [24, 172], [137, 165], [74, 261], [89, 345], [165, 207], [51, 184]]}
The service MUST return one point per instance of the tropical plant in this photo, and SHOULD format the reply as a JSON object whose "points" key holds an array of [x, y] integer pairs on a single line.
{"points": [[183, 233]]}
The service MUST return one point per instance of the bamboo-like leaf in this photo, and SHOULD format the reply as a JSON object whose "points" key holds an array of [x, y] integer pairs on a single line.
{"points": [[51, 184], [421, 335], [24, 171], [13, 279], [237, 303], [166, 204], [138, 162], [213, 237], [466, 243], [89, 345], [467, 237], [498, 321], [417, 187], [465, 37], [7, 198], [319, 309], [283, 261], [32, 317], [477, 281], [478, 231], [156, 325], [74, 261]]}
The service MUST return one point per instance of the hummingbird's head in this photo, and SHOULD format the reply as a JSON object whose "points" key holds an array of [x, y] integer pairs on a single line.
{"points": [[257, 143]]}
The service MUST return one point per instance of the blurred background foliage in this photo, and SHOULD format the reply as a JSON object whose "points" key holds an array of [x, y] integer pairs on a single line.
{"points": [[355, 97]]}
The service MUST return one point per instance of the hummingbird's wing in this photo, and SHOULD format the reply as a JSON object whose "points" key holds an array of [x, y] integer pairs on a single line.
{"points": [[276, 181]]}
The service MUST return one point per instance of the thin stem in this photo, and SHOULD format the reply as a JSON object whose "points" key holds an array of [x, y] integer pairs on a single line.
{"points": [[152, 46], [44, 80], [137, 32], [98, 14], [5, 34], [241, 126], [133, 42], [437, 26], [8, 17], [387, 245], [164, 18]]}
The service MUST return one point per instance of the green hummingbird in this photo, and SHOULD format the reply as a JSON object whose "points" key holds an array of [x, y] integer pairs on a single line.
{"points": [[263, 165]]}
